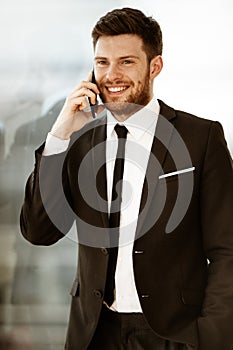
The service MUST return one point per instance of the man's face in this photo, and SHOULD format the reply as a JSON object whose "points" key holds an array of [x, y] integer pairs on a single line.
{"points": [[122, 71]]}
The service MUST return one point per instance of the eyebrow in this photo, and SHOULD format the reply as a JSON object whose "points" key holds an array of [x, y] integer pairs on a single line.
{"points": [[120, 58]]}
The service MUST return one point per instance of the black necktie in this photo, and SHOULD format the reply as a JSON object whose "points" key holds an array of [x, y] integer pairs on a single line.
{"points": [[114, 218]]}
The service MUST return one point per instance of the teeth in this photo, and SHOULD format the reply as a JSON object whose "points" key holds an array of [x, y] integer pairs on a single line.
{"points": [[116, 89]]}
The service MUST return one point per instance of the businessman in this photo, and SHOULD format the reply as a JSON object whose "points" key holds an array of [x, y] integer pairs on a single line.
{"points": [[151, 191]]}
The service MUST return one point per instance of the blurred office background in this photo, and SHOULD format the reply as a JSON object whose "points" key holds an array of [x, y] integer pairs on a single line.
{"points": [[45, 50]]}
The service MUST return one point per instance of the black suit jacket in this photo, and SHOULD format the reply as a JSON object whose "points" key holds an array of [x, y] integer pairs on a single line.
{"points": [[183, 273]]}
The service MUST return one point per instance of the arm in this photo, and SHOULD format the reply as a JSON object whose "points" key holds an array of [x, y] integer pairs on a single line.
{"points": [[42, 191], [215, 324], [46, 215]]}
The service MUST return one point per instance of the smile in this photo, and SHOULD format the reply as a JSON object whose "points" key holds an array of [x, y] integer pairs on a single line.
{"points": [[116, 89]]}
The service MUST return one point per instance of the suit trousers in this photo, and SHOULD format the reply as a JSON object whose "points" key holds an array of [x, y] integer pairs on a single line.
{"points": [[128, 331]]}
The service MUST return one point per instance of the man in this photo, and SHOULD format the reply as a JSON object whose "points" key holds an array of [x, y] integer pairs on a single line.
{"points": [[156, 249]]}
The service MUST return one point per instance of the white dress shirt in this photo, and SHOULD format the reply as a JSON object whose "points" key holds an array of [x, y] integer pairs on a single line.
{"points": [[141, 129]]}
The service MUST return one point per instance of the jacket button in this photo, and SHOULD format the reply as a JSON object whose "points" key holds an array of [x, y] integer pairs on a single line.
{"points": [[104, 251], [98, 293]]}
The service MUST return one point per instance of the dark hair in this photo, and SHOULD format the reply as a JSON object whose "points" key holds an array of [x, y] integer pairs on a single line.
{"points": [[131, 21]]}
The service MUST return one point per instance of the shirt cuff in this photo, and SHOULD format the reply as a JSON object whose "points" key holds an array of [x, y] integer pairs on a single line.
{"points": [[54, 145]]}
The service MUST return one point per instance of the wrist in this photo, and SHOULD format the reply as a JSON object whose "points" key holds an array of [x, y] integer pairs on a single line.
{"points": [[60, 134]]}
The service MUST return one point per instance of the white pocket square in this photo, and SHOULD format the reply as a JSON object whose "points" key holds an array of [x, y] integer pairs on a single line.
{"points": [[177, 172]]}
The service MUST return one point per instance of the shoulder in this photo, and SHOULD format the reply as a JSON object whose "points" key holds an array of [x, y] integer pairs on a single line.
{"points": [[196, 132], [188, 124], [183, 116]]}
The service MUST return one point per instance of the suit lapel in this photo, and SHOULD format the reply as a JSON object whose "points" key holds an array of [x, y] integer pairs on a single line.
{"points": [[163, 134]]}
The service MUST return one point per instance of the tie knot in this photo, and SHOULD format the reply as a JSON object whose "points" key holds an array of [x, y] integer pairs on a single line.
{"points": [[121, 131]]}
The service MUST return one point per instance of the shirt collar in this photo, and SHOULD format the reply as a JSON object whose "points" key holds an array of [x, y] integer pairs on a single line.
{"points": [[138, 123]]}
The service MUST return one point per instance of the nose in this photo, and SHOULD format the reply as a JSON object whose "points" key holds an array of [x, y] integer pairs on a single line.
{"points": [[114, 72]]}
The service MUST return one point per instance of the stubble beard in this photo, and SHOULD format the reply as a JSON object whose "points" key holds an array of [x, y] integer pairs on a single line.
{"points": [[133, 103]]}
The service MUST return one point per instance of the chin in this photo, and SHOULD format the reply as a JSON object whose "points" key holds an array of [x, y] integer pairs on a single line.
{"points": [[122, 108]]}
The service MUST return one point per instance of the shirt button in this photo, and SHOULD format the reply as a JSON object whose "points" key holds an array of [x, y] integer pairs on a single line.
{"points": [[98, 293], [104, 251]]}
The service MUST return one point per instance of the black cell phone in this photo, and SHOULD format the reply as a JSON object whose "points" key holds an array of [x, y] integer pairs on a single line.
{"points": [[89, 100], [93, 77]]}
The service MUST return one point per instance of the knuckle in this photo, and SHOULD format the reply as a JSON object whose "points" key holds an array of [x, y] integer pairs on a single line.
{"points": [[83, 84]]}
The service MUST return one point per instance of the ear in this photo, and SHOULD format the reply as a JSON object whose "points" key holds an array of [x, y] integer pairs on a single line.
{"points": [[156, 65]]}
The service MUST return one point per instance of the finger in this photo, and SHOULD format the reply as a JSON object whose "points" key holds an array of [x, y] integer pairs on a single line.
{"points": [[85, 108], [83, 104], [85, 92], [86, 85], [77, 103]]}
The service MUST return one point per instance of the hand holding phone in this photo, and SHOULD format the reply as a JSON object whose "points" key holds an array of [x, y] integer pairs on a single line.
{"points": [[74, 114]]}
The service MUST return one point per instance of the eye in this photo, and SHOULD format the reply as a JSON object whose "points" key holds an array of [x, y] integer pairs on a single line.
{"points": [[127, 62], [101, 63]]}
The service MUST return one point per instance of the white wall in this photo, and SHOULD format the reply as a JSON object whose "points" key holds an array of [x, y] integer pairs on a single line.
{"points": [[198, 56], [46, 46], [45, 49]]}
